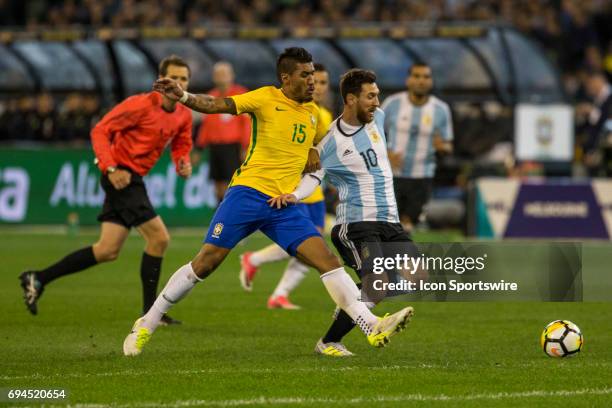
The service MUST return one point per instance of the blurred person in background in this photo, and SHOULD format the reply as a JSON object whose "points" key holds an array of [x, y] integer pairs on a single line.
{"points": [[70, 123], [20, 123], [594, 116], [313, 207], [226, 136], [127, 143], [44, 120], [78, 114], [8, 109], [418, 126]]}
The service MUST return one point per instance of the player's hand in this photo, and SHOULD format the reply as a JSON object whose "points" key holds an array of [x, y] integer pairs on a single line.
{"points": [[314, 162], [120, 179], [282, 200], [184, 168], [396, 161], [441, 145], [169, 88], [592, 159]]}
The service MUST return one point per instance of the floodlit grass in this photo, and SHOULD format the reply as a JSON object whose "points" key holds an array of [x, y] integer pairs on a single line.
{"points": [[232, 351]]}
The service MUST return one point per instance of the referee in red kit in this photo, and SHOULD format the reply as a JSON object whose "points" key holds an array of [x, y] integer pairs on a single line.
{"points": [[226, 136], [128, 141]]}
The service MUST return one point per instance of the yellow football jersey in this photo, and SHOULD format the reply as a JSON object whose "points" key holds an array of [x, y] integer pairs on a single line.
{"points": [[282, 132], [326, 119]]}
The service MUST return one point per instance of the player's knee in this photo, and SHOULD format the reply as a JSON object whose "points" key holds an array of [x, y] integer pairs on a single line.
{"points": [[106, 253], [206, 261], [334, 262], [160, 243], [328, 262]]}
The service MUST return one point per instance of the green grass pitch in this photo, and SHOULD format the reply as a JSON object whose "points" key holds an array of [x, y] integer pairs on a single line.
{"points": [[232, 351]]}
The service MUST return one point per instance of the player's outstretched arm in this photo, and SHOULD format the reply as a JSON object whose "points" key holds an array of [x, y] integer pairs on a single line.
{"points": [[200, 103], [314, 162], [305, 188]]}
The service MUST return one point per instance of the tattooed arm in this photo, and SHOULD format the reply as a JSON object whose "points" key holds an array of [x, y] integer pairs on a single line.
{"points": [[200, 103]]}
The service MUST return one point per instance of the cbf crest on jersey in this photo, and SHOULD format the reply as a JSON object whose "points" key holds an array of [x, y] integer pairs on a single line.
{"points": [[217, 230], [313, 120]]}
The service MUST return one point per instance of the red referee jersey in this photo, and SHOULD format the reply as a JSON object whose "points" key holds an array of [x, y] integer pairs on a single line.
{"points": [[225, 128], [136, 131]]}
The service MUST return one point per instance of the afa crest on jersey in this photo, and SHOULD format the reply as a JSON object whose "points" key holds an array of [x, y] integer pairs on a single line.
{"points": [[375, 136]]}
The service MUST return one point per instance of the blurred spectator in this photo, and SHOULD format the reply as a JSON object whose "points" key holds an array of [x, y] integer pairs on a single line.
{"points": [[226, 136], [21, 124], [575, 34], [473, 120], [8, 110], [76, 117], [593, 117], [12, 12], [44, 118]]}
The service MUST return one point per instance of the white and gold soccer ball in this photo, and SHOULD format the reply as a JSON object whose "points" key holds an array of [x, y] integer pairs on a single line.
{"points": [[561, 338]]}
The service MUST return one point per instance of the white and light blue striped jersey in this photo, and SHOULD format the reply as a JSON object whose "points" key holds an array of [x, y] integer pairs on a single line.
{"points": [[358, 165], [411, 129]]}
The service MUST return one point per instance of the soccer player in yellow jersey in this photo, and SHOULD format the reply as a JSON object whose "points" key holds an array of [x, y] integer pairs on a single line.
{"points": [[313, 206], [285, 125]]}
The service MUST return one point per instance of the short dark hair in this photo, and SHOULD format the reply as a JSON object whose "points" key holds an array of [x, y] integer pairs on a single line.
{"points": [[319, 67], [351, 81], [172, 60], [417, 64], [286, 62]]}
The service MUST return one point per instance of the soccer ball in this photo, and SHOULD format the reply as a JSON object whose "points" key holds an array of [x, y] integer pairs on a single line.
{"points": [[561, 338]]}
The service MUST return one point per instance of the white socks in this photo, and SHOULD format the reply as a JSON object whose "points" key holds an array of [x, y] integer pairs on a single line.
{"points": [[178, 286], [271, 253], [345, 293], [293, 276]]}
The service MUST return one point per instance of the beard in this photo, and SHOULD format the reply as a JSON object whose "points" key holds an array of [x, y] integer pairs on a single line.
{"points": [[363, 116], [421, 93], [306, 96]]}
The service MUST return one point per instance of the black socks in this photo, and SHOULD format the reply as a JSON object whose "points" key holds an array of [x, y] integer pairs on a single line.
{"points": [[150, 269], [341, 326], [74, 262]]}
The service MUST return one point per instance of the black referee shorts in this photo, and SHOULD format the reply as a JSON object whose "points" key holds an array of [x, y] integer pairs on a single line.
{"points": [[129, 206], [359, 241], [411, 195]]}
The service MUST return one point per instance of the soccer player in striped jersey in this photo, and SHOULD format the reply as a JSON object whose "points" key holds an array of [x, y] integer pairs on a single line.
{"points": [[354, 158], [313, 206], [418, 127], [285, 125]]}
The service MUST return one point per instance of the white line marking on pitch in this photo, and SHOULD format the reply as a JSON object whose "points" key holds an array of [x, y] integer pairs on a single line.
{"points": [[238, 370], [347, 401], [215, 371]]}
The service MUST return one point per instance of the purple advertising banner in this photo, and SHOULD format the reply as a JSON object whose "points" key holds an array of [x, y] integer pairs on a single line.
{"points": [[564, 210]]}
